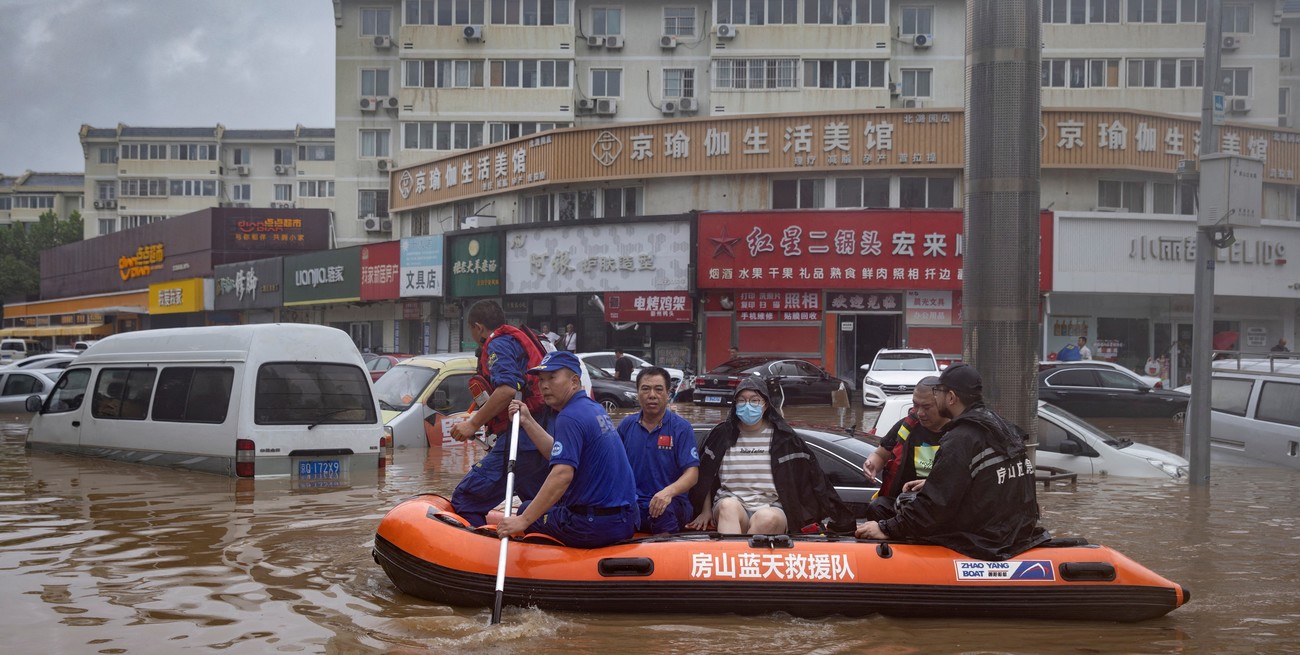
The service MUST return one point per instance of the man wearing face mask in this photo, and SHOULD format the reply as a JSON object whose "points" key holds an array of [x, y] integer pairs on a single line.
{"points": [[979, 499], [757, 476], [507, 352]]}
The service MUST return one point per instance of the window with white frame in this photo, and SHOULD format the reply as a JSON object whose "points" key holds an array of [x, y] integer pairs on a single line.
{"points": [[571, 205], [6, 203], [283, 156], [142, 188], [442, 135], [107, 225], [374, 82], [1191, 11], [742, 12], [679, 21], [421, 222], [506, 131], [917, 19], [372, 202], [284, 193], [855, 192], [872, 12], [1117, 194], [192, 188], [931, 192], [1061, 12], [755, 74], [374, 143], [239, 156], [606, 82], [621, 202], [844, 73], [1152, 11], [444, 12], [1103, 11], [132, 221], [537, 208], [606, 21], [529, 73], [1191, 73], [799, 194], [316, 152], [782, 12], [316, 188], [1283, 106], [916, 82], [679, 83], [828, 12], [34, 201], [108, 155], [530, 12], [241, 192], [1284, 42], [106, 190], [1236, 18], [1153, 73], [376, 21], [1166, 199], [144, 151], [1080, 73], [194, 151], [1236, 81], [442, 73]]}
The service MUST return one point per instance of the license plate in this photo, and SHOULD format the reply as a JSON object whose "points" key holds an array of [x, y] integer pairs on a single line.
{"points": [[713, 399], [319, 468]]}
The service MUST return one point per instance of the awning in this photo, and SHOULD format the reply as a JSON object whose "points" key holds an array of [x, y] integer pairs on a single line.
{"points": [[99, 330]]}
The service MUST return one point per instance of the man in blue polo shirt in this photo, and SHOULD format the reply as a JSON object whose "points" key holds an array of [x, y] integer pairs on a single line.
{"points": [[661, 449], [589, 497]]}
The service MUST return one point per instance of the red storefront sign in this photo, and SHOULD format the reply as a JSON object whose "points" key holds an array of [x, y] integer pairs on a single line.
{"points": [[878, 249], [649, 307], [380, 268], [778, 306]]}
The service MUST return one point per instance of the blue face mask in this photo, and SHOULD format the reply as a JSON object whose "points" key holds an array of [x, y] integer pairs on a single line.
{"points": [[749, 414]]}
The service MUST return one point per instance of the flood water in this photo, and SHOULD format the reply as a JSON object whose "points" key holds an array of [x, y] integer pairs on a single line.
{"points": [[104, 557]]}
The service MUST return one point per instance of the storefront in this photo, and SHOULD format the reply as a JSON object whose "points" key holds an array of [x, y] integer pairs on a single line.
{"points": [[475, 263], [251, 290], [324, 288], [180, 303], [1125, 281], [408, 274], [833, 287]]}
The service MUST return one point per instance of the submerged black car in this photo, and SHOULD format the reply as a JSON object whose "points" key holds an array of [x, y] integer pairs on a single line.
{"points": [[1092, 391], [801, 382], [612, 394]]}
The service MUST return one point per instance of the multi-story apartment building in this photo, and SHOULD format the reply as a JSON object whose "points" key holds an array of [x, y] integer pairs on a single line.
{"points": [[140, 175], [24, 198]]}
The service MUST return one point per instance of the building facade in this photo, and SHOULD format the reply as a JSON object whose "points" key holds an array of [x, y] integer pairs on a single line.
{"points": [[24, 198]]}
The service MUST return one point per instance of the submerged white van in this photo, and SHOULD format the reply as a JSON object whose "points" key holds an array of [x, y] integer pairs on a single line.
{"points": [[271, 400]]}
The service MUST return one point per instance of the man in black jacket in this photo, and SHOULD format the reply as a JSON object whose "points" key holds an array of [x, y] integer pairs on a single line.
{"points": [[980, 498]]}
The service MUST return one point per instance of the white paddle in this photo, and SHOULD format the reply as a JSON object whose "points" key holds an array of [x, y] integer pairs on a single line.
{"points": [[510, 493]]}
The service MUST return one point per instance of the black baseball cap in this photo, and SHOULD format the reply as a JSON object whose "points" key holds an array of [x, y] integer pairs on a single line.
{"points": [[962, 378]]}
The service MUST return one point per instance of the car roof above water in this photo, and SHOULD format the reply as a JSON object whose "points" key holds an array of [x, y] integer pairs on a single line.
{"points": [[264, 342]]}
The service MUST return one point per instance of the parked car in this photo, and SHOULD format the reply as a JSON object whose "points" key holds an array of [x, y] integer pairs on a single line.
{"points": [[1068, 442], [381, 363], [610, 393], [1091, 390], [894, 372], [84, 344], [424, 387], [841, 457], [604, 360], [1150, 380], [47, 360], [17, 385], [798, 382], [17, 348], [1255, 416]]}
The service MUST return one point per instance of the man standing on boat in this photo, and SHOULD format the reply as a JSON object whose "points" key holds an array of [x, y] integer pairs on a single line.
{"points": [[506, 353], [661, 449], [979, 499], [913, 442], [589, 497]]}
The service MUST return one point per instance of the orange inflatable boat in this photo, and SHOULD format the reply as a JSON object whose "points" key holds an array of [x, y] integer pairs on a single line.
{"points": [[428, 552]]}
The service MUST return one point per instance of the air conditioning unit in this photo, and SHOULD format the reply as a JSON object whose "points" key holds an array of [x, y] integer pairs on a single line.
{"points": [[1231, 42], [727, 31], [606, 106], [474, 221], [369, 104], [389, 102], [614, 42], [893, 89], [473, 32], [372, 223], [386, 225], [110, 203], [688, 104], [595, 41], [241, 170], [385, 164], [668, 41], [1239, 105], [586, 104], [281, 169], [913, 103], [922, 40], [99, 204], [383, 41], [668, 107]]}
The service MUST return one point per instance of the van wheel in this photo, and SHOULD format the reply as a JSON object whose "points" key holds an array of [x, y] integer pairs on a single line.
{"points": [[608, 403]]}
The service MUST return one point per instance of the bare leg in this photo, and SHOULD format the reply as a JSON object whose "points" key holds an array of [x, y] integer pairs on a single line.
{"points": [[768, 520], [731, 516]]}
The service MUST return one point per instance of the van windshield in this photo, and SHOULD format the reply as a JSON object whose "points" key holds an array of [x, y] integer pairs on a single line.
{"points": [[313, 394], [402, 385]]}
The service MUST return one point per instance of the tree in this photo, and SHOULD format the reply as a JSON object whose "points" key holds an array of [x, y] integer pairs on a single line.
{"points": [[21, 245]]}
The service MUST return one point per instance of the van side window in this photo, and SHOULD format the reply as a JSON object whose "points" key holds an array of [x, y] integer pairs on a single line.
{"points": [[1279, 402], [312, 393], [123, 393], [193, 395], [68, 391], [1230, 395]]}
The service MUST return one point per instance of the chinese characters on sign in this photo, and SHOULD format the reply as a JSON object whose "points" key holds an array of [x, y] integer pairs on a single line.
{"points": [[281, 230], [772, 566], [648, 307], [599, 258], [778, 306], [171, 297], [862, 302], [421, 266], [146, 260], [930, 307]]}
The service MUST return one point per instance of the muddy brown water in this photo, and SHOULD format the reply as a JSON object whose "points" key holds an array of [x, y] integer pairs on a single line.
{"points": [[104, 557]]}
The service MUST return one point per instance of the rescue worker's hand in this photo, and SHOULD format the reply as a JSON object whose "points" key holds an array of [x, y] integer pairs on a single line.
{"points": [[525, 416], [872, 466], [463, 431], [869, 530], [512, 526], [702, 521], [660, 502], [913, 485]]}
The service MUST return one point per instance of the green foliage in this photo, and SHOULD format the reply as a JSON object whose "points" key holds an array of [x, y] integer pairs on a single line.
{"points": [[21, 246]]}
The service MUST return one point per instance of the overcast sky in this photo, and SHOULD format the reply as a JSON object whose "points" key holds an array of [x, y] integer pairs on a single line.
{"points": [[246, 64]]}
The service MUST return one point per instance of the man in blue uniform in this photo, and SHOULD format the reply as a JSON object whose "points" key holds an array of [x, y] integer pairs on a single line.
{"points": [[661, 449], [589, 497]]}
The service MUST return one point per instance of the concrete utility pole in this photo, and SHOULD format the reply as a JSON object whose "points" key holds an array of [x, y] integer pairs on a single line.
{"points": [[1198, 410], [1000, 289]]}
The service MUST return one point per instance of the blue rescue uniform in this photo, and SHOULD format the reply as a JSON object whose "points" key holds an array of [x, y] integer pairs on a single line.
{"points": [[484, 487], [599, 507], [658, 457]]}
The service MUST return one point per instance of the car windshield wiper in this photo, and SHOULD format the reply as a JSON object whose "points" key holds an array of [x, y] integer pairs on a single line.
{"points": [[321, 419]]}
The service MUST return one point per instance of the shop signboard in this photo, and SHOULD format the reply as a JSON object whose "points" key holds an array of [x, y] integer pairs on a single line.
{"points": [[475, 265], [180, 296], [625, 256], [876, 249], [778, 306], [929, 307], [379, 271], [649, 307], [856, 301], [324, 277], [421, 267], [255, 284]]}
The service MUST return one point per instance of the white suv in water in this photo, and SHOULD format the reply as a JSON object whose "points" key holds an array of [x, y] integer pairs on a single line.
{"points": [[895, 372]]}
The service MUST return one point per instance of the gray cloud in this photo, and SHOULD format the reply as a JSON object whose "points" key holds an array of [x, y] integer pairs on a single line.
{"points": [[243, 63]]}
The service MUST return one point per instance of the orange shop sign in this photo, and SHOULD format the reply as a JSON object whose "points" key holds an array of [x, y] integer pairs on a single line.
{"points": [[145, 261]]}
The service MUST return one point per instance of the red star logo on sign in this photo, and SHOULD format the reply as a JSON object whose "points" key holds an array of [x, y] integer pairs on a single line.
{"points": [[724, 244]]}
